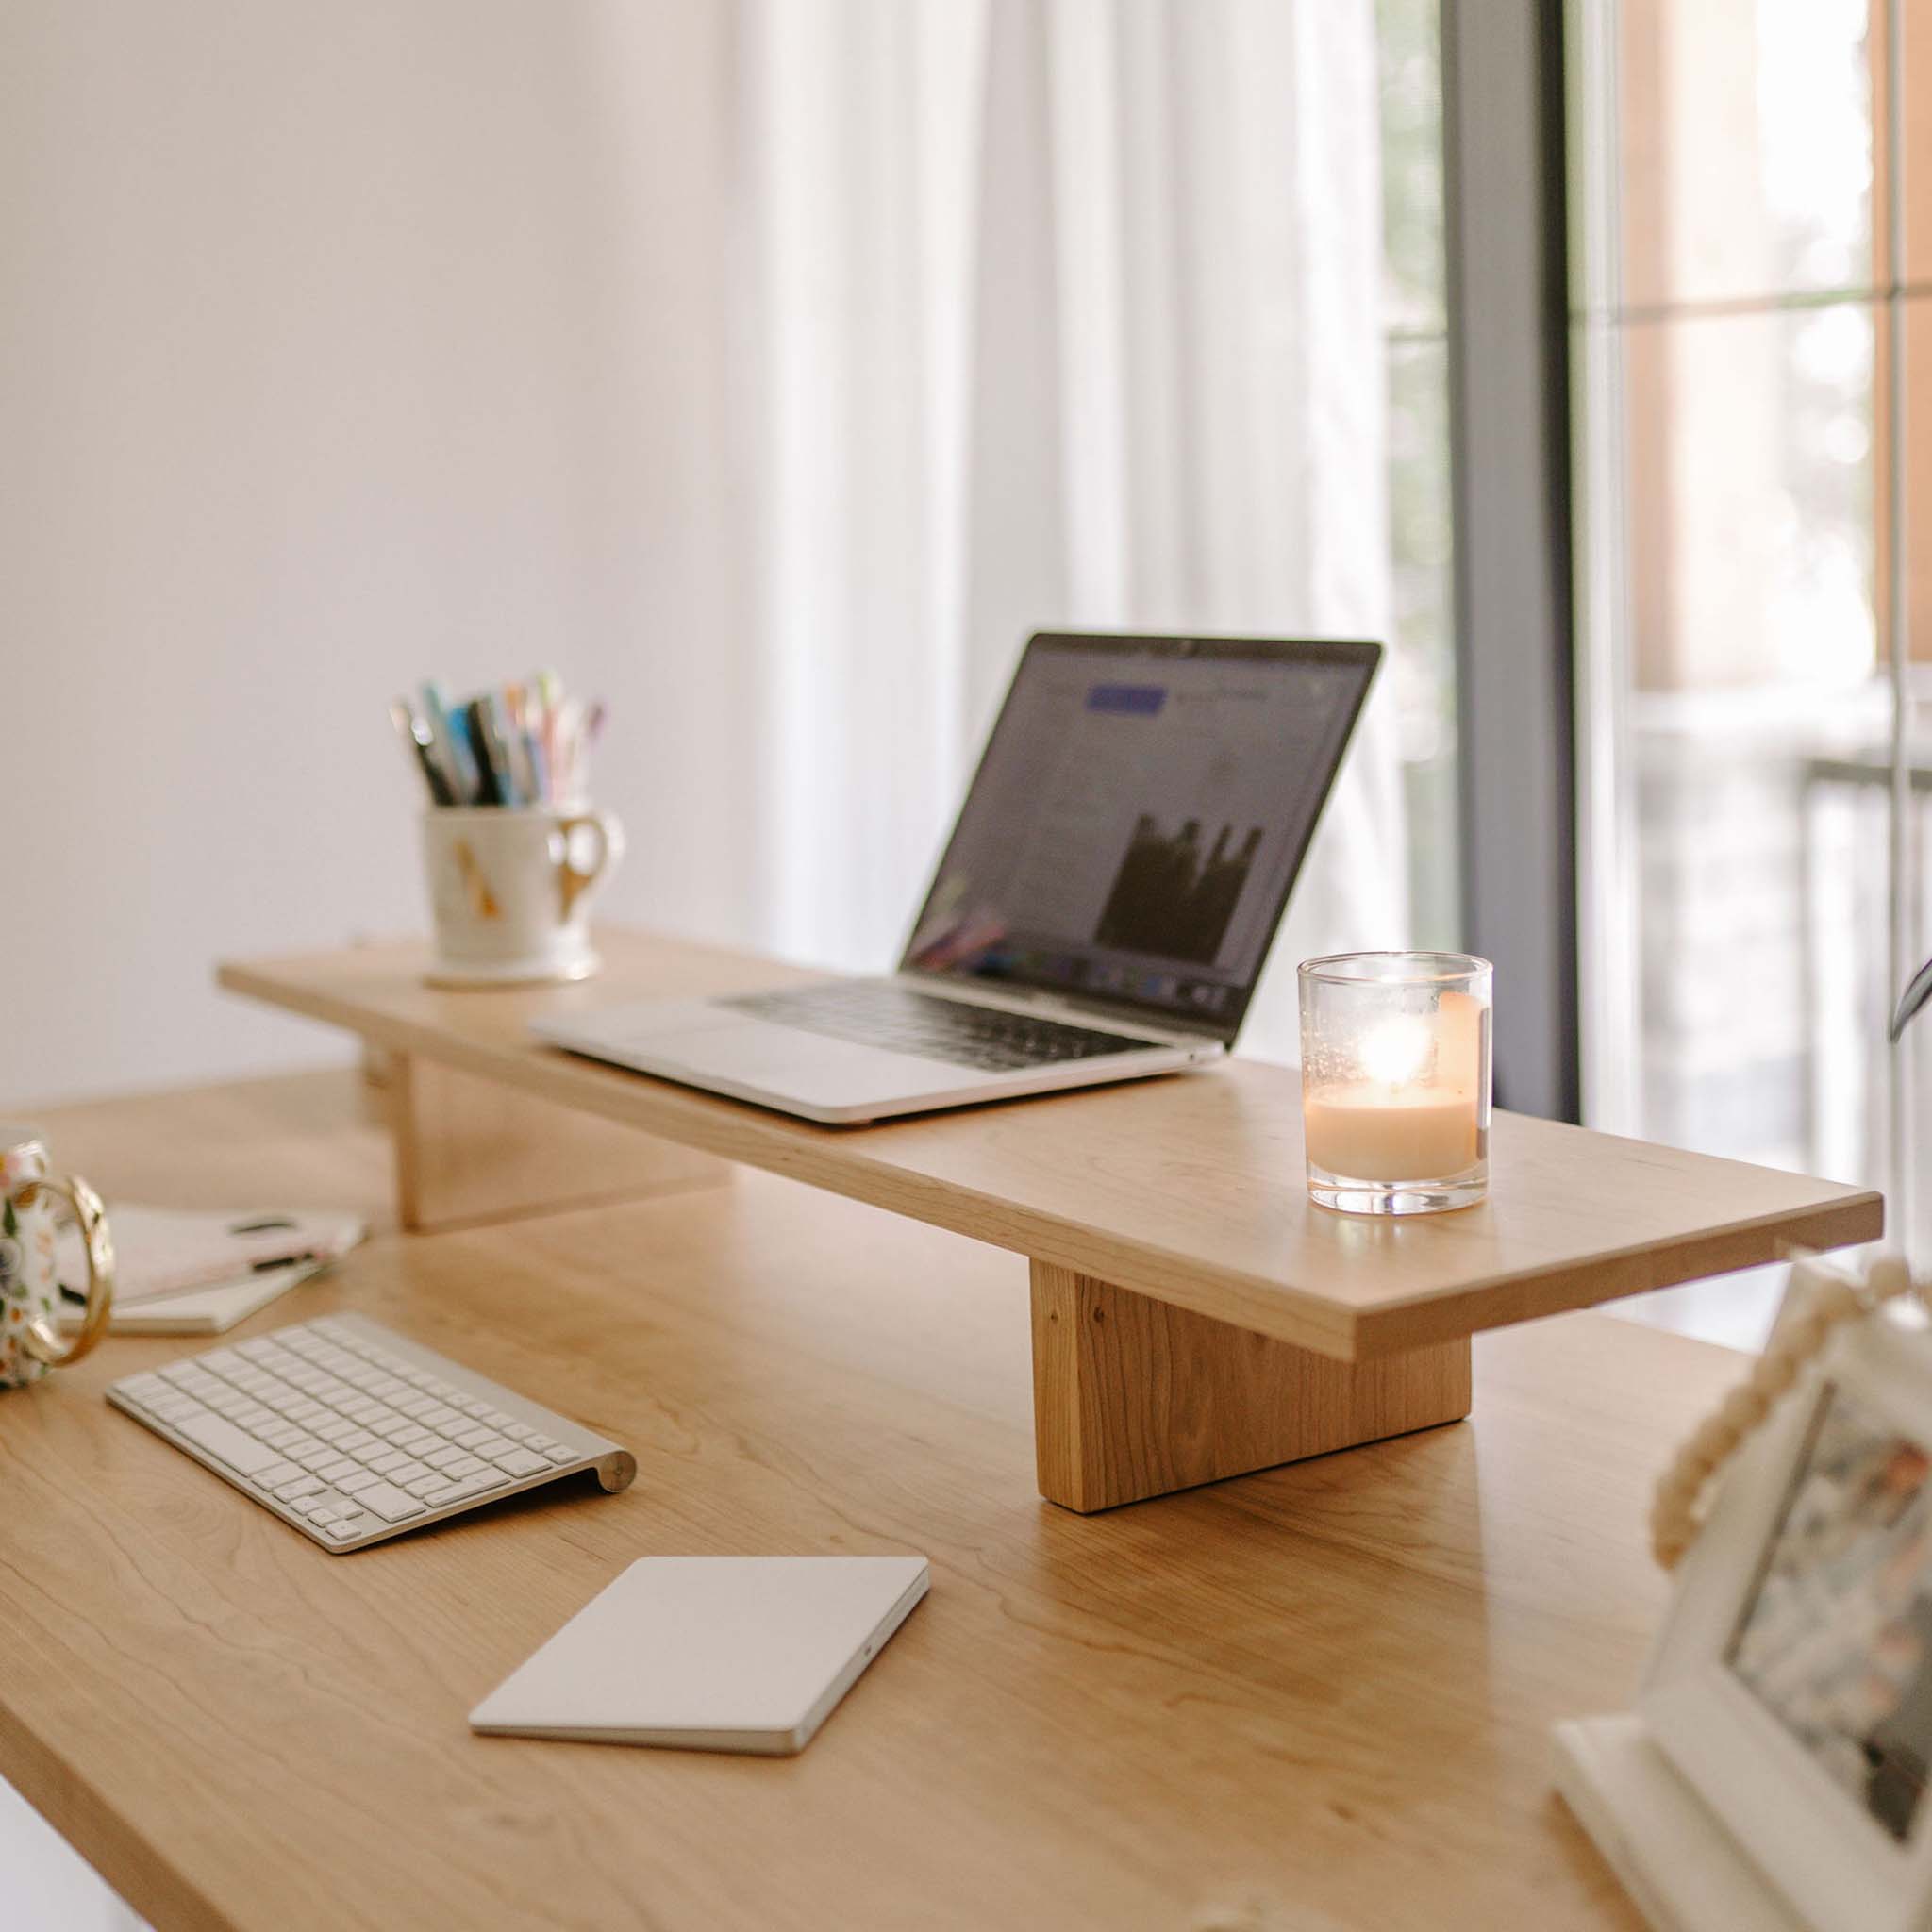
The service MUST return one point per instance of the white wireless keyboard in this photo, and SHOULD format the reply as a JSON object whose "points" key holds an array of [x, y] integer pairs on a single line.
{"points": [[352, 1434]]}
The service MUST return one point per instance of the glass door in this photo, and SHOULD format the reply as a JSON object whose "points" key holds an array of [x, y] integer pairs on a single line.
{"points": [[1738, 514]]}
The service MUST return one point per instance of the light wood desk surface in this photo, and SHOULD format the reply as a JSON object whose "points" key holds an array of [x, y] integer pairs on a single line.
{"points": [[1324, 1691], [1187, 1189]]}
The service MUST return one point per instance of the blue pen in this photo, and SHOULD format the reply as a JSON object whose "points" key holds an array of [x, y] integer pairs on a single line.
{"points": [[458, 763], [466, 732]]}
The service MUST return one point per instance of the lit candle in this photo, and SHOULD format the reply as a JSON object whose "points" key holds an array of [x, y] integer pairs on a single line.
{"points": [[1395, 1081], [1414, 1117]]}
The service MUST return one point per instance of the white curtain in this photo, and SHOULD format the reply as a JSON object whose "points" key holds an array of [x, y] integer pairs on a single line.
{"points": [[1060, 313], [772, 367]]}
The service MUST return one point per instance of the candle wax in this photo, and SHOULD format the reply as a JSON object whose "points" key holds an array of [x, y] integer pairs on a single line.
{"points": [[1366, 1131]]}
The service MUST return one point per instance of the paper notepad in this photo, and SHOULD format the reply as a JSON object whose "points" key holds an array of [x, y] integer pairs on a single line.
{"points": [[710, 1653], [169, 1251], [200, 1310]]}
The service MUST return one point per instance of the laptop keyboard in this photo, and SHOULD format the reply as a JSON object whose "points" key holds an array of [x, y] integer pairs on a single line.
{"points": [[874, 1013]]}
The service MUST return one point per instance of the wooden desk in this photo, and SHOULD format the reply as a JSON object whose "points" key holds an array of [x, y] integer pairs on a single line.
{"points": [[1324, 1690], [1195, 1315]]}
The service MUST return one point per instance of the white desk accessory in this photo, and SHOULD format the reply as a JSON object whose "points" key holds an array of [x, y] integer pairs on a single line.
{"points": [[352, 1434], [709, 1653]]}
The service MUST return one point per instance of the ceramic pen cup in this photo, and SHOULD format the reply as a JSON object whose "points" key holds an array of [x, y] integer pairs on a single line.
{"points": [[30, 1192], [510, 890]]}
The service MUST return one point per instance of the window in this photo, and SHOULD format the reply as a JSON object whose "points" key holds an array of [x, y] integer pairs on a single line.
{"points": [[1730, 339]]}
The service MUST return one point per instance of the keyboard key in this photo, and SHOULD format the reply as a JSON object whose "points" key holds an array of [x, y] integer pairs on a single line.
{"points": [[520, 1462], [390, 1503], [473, 1438], [444, 1457], [426, 1483], [463, 1487], [410, 1472], [276, 1474], [418, 1442], [389, 1459], [531, 1439], [354, 1485], [344, 1527], [302, 1486], [342, 1466], [493, 1446], [557, 1452], [465, 1466], [228, 1444], [316, 1459], [356, 1439]]}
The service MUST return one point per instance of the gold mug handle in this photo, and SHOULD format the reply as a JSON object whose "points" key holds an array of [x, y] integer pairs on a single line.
{"points": [[39, 1340], [573, 880]]}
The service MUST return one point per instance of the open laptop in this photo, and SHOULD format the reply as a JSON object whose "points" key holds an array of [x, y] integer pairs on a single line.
{"points": [[1103, 908]]}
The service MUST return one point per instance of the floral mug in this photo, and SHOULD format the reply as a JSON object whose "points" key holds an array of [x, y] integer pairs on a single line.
{"points": [[30, 1341]]}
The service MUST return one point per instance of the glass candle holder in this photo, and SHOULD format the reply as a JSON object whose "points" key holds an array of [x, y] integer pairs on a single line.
{"points": [[1395, 1081]]}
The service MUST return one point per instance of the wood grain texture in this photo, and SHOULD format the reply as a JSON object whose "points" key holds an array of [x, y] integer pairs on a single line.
{"points": [[1189, 1189], [1134, 1397], [1322, 1694], [470, 1151]]}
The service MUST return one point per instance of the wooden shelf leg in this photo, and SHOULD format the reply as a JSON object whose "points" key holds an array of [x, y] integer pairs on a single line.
{"points": [[1133, 1397], [471, 1151]]}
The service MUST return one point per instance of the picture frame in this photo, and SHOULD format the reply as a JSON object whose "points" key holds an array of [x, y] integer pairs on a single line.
{"points": [[1791, 1687]]}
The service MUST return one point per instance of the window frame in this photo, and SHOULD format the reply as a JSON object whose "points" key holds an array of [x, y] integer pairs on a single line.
{"points": [[1507, 241]]}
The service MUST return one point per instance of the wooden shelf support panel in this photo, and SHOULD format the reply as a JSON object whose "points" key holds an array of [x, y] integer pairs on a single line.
{"points": [[469, 1150], [1134, 1397]]}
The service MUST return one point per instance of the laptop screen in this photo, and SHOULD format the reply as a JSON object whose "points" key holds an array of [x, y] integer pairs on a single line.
{"points": [[1139, 817]]}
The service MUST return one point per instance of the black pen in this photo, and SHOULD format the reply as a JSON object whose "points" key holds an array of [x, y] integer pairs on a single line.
{"points": [[416, 734], [490, 790]]}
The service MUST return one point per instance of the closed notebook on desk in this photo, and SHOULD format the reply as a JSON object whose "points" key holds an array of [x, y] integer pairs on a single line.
{"points": [[709, 1653]]}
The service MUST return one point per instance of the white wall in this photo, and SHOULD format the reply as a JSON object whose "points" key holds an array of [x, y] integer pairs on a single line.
{"points": [[339, 344]]}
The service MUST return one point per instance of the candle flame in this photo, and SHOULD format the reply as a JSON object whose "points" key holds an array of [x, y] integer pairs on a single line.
{"points": [[1396, 1052]]}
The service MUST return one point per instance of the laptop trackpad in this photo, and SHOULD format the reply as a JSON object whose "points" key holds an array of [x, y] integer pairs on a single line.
{"points": [[759, 1057]]}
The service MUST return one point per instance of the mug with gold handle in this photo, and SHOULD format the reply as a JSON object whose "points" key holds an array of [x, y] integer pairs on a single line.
{"points": [[510, 890], [30, 1340]]}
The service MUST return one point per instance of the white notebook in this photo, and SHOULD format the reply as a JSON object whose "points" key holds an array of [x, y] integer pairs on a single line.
{"points": [[710, 1653], [201, 1310]]}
